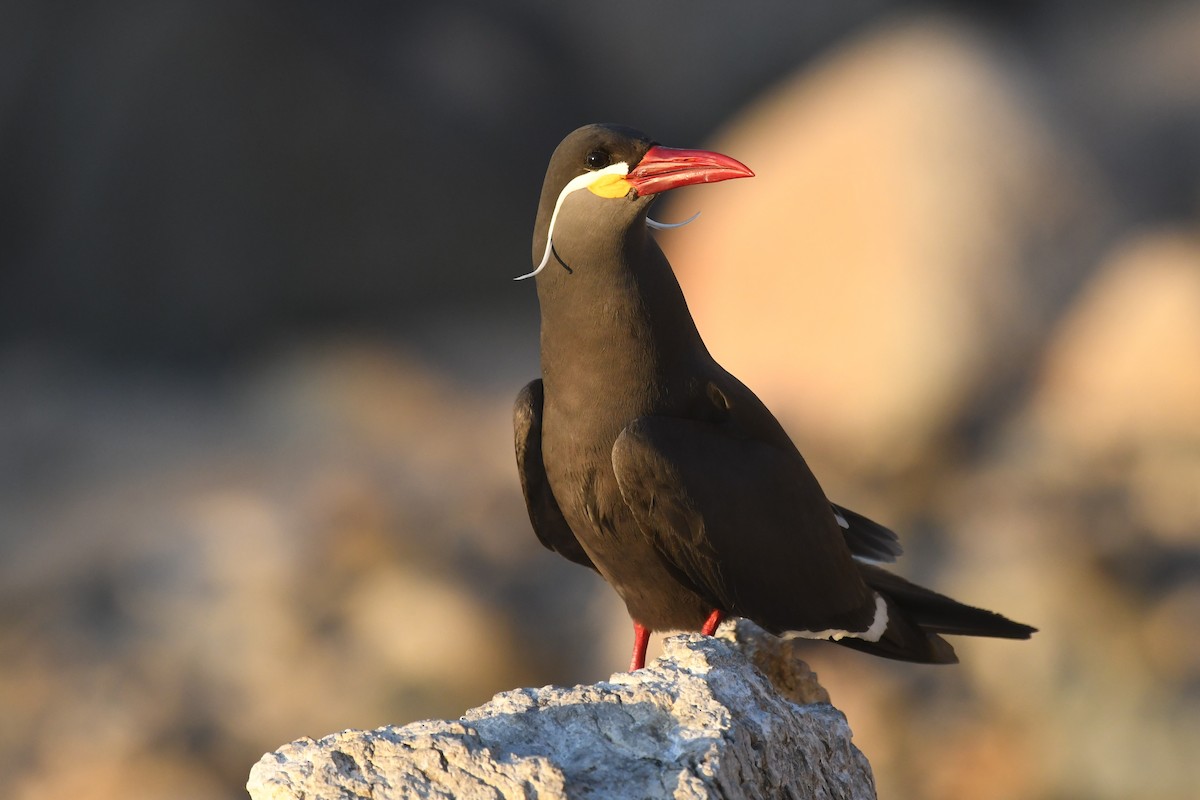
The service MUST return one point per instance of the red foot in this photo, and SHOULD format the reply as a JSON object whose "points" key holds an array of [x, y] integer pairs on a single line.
{"points": [[641, 640], [710, 624]]}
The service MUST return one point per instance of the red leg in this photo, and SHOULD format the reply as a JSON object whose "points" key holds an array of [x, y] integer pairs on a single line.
{"points": [[710, 624], [641, 640]]}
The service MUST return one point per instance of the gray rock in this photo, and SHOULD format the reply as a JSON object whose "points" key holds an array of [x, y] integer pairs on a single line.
{"points": [[778, 659], [700, 722]]}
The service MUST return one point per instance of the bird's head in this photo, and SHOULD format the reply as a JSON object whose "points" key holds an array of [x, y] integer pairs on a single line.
{"points": [[601, 182]]}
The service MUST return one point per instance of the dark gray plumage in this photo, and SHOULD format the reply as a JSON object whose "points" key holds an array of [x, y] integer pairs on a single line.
{"points": [[642, 458]]}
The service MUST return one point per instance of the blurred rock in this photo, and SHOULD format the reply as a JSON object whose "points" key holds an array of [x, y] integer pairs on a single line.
{"points": [[1130, 79], [913, 225], [1084, 520], [195, 179], [339, 519], [1123, 368], [698, 723]]}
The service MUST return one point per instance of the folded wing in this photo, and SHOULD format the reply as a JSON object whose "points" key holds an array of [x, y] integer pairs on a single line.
{"points": [[544, 514], [744, 522]]}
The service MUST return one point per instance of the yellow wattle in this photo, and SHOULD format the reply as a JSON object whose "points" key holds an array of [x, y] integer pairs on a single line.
{"points": [[610, 186]]}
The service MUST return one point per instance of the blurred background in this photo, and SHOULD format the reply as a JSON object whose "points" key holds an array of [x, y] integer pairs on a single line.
{"points": [[259, 345]]}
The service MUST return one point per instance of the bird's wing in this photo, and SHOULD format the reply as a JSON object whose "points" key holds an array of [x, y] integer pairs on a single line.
{"points": [[867, 539], [744, 522], [547, 518]]}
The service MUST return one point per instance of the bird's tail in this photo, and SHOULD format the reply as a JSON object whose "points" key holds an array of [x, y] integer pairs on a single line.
{"points": [[917, 615]]}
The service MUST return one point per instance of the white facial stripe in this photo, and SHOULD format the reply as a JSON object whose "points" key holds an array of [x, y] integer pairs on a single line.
{"points": [[575, 184], [871, 634]]}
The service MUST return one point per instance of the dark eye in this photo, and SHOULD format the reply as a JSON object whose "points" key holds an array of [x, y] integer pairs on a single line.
{"points": [[597, 159]]}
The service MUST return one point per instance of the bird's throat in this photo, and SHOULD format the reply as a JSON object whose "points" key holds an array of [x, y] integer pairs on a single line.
{"points": [[619, 335]]}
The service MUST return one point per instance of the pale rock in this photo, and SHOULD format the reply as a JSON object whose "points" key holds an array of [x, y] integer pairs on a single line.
{"points": [[700, 722], [778, 659], [1124, 366], [1116, 402]]}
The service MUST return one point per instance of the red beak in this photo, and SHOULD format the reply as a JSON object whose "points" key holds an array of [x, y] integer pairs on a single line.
{"points": [[664, 168]]}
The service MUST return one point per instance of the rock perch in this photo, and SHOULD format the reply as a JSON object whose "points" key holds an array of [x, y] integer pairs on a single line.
{"points": [[700, 722]]}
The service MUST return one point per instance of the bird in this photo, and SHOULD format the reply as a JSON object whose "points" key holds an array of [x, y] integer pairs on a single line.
{"points": [[642, 458]]}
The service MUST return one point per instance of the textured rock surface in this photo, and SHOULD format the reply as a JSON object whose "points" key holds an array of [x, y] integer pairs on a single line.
{"points": [[778, 659], [699, 722]]}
